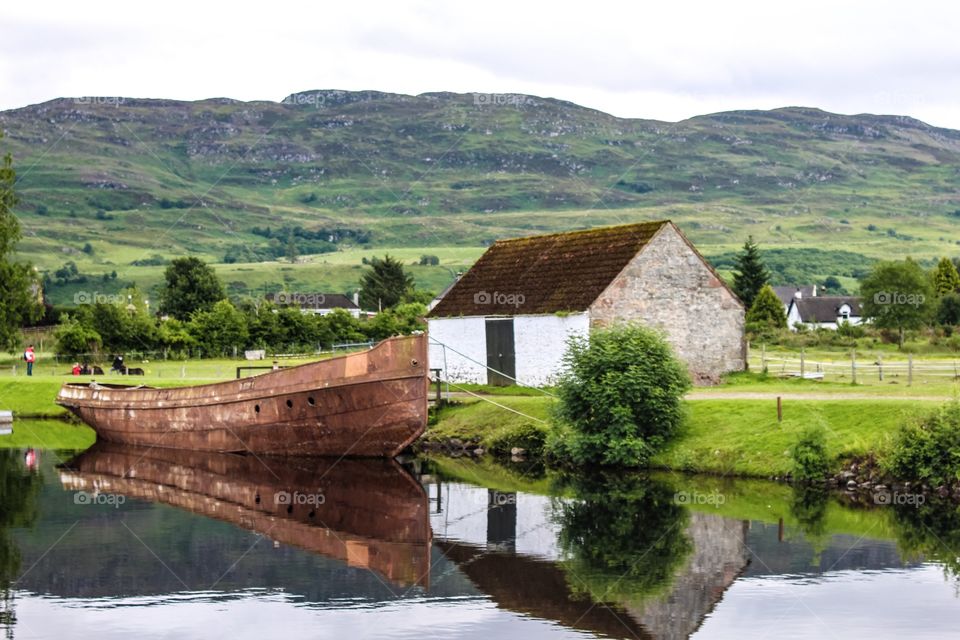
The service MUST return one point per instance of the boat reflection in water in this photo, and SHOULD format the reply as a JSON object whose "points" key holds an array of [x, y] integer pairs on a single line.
{"points": [[368, 513]]}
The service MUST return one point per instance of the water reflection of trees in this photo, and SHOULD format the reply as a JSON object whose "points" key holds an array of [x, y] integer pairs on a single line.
{"points": [[623, 536], [931, 530], [18, 508]]}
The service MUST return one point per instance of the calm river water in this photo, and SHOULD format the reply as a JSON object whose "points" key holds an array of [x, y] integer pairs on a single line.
{"points": [[119, 542]]}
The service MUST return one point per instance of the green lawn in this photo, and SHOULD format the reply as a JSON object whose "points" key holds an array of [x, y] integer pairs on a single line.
{"points": [[739, 437], [48, 434]]}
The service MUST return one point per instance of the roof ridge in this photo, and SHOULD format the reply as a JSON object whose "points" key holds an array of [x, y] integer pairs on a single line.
{"points": [[609, 227]]}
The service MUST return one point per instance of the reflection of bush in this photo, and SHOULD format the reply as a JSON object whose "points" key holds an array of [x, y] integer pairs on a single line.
{"points": [[809, 507], [623, 537], [931, 530]]}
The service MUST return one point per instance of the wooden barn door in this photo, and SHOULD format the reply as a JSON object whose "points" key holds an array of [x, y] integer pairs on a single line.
{"points": [[500, 352]]}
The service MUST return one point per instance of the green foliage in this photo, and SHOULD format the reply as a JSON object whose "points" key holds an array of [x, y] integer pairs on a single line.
{"points": [[809, 454], [75, 338], [17, 304], [804, 265], [526, 435], [766, 312], [620, 399], [384, 284], [190, 285], [219, 330], [946, 279], [402, 319], [428, 259], [928, 449], [948, 309], [750, 275], [897, 295]]}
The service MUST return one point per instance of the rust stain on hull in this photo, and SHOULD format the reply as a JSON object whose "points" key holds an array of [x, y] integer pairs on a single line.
{"points": [[372, 515], [372, 403]]}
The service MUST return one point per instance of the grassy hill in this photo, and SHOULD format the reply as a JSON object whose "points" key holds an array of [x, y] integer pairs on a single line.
{"points": [[107, 183]]}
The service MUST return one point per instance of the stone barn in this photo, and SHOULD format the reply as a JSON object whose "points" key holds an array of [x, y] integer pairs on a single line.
{"points": [[509, 317]]}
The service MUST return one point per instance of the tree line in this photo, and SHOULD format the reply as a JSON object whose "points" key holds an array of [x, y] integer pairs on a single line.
{"points": [[197, 318]]}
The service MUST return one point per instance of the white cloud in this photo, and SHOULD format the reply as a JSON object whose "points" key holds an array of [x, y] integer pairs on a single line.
{"points": [[665, 60]]}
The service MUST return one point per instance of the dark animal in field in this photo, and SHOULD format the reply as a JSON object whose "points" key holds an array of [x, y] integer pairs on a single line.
{"points": [[134, 371], [96, 371]]}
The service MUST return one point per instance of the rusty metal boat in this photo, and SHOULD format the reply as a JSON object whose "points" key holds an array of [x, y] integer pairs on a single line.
{"points": [[370, 514], [371, 403]]}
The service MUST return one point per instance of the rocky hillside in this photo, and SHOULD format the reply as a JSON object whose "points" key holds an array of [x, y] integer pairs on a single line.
{"points": [[132, 176]]}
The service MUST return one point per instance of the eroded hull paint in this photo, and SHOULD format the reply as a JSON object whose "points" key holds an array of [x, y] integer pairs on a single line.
{"points": [[372, 403]]}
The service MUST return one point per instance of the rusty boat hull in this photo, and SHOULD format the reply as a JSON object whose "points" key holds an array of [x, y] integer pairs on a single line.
{"points": [[371, 403], [369, 514]]}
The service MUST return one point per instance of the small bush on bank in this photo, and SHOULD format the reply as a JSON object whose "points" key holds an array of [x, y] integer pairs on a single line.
{"points": [[620, 399], [527, 436], [809, 453], [928, 449]]}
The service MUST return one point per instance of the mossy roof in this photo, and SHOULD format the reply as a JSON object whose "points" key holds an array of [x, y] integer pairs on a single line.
{"points": [[546, 274]]}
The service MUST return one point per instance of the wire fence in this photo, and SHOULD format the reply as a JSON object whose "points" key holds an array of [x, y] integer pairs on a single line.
{"points": [[857, 367]]}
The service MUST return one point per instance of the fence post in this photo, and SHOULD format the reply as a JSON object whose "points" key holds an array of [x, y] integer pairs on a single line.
{"points": [[763, 357], [779, 409], [803, 365], [880, 366], [909, 369], [853, 364]]}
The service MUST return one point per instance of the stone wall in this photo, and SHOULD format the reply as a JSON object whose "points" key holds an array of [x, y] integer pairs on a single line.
{"points": [[667, 286]]}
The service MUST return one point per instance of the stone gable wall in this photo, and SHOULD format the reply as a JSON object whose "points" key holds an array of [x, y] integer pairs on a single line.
{"points": [[667, 286]]}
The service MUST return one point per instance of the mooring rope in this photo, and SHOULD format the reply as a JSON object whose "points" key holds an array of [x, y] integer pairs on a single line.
{"points": [[463, 355], [502, 406]]}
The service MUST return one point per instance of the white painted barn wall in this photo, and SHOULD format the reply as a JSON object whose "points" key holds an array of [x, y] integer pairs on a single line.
{"points": [[540, 342], [469, 337]]}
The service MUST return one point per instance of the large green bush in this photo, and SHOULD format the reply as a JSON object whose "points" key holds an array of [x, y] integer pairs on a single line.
{"points": [[928, 449], [620, 399]]}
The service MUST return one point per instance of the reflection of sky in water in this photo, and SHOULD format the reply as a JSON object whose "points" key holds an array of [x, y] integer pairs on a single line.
{"points": [[275, 616], [915, 603]]}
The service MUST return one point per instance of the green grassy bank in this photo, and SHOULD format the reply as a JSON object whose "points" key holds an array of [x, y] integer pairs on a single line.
{"points": [[741, 437]]}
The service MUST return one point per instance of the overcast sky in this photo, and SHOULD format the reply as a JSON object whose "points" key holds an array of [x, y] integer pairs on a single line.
{"points": [[667, 60]]}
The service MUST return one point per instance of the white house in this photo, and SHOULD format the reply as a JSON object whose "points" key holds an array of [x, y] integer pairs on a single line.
{"points": [[787, 293], [510, 316], [316, 303], [824, 312]]}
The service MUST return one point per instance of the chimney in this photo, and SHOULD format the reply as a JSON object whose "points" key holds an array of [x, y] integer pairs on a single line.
{"points": [[356, 298], [798, 294]]}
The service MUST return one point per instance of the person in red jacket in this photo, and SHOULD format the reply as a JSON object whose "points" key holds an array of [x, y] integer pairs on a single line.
{"points": [[30, 357]]}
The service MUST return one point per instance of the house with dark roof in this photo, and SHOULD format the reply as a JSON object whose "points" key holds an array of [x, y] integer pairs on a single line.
{"points": [[824, 312], [316, 303], [510, 316], [788, 292]]}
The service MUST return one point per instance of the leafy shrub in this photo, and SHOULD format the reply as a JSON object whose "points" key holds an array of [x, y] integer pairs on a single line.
{"points": [[620, 398], [809, 453], [526, 435], [928, 449]]}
